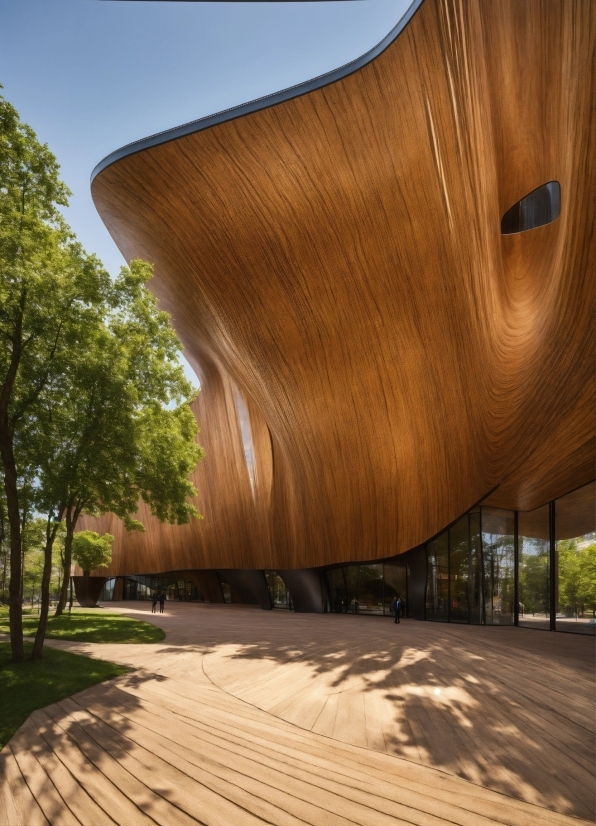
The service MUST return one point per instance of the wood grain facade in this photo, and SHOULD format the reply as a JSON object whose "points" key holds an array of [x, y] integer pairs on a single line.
{"points": [[336, 261]]}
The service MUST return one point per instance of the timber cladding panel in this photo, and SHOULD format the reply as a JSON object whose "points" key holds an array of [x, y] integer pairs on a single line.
{"points": [[337, 258]]}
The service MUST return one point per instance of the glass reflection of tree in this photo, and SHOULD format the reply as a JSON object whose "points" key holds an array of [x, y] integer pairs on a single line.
{"points": [[577, 575], [533, 576], [498, 578]]}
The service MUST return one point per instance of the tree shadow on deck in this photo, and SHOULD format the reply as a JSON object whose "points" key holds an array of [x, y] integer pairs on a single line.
{"points": [[504, 712]]}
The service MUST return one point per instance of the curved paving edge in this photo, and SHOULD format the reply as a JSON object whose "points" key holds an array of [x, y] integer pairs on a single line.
{"points": [[165, 745]]}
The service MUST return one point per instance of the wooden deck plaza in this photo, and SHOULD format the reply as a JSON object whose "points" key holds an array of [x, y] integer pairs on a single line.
{"points": [[243, 716]]}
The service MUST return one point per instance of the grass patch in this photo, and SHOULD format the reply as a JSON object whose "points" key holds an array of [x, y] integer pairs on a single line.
{"points": [[95, 625], [4, 612], [25, 687]]}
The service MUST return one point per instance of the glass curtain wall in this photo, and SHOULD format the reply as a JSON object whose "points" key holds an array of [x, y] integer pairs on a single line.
{"points": [[367, 589], [476, 597], [471, 570], [437, 588], [459, 571], [143, 587], [226, 591], [534, 568], [474, 568], [575, 561], [107, 592], [370, 589], [338, 593], [498, 558], [396, 582], [351, 578], [280, 596]]}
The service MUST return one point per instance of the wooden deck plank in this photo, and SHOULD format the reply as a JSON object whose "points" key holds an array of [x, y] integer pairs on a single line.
{"points": [[82, 727], [261, 738], [28, 808], [206, 730], [103, 792]]}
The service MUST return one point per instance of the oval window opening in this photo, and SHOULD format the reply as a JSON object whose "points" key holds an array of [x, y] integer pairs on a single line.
{"points": [[540, 207]]}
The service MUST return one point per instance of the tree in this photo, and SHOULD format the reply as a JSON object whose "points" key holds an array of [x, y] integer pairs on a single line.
{"points": [[90, 550], [4, 543], [125, 430], [89, 374], [33, 537], [48, 286], [115, 426]]}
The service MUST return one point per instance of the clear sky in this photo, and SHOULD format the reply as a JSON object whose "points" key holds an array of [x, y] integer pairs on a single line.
{"points": [[92, 75]]}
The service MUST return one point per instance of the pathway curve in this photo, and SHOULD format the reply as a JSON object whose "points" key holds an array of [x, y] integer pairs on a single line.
{"points": [[242, 716]]}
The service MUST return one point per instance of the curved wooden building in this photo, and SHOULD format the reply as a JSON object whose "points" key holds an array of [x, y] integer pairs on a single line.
{"points": [[377, 352]]}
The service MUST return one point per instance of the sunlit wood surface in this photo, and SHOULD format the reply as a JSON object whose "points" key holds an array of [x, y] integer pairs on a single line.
{"points": [[338, 259], [244, 717]]}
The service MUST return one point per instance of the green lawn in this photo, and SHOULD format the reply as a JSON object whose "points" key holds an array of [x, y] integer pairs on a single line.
{"points": [[25, 687], [90, 625]]}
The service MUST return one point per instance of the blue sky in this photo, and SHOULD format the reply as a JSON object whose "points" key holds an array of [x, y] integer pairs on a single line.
{"points": [[92, 75]]}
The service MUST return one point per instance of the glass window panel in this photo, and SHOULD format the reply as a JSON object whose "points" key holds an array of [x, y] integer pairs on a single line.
{"points": [[476, 602], [107, 592], [337, 590], [540, 207], [395, 583], [280, 596], [225, 589], [370, 598], [459, 573], [351, 573], [575, 561], [534, 568], [437, 591], [498, 565]]}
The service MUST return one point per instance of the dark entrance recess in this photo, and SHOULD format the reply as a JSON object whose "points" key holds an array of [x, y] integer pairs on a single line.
{"points": [[540, 207], [371, 588]]}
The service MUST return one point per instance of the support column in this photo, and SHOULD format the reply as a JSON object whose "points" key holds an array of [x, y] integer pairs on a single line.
{"points": [[553, 567], [306, 589], [88, 589]]}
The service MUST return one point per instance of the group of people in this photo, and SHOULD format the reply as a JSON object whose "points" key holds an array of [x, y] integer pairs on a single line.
{"points": [[161, 598]]}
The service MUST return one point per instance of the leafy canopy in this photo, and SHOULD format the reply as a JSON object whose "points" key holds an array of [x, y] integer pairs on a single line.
{"points": [[90, 550], [94, 406]]}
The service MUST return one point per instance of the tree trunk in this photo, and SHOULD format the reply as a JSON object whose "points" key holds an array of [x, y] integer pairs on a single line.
{"points": [[71, 518], [12, 492], [3, 546], [63, 598], [16, 573], [51, 530]]}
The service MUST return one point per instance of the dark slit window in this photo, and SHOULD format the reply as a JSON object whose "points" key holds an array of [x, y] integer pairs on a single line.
{"points": [[538, 208]]}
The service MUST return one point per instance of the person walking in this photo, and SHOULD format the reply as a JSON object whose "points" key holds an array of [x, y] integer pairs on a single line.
{"points": [[162, 599], [154, 599], [397, 608]]}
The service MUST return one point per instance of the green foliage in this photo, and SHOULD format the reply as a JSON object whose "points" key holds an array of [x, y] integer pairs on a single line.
{"points": [[91, 551], [587, 588], [576, 562], [27, 686], [534, 593], [94, 625], [94, 406], [50, 290]]}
